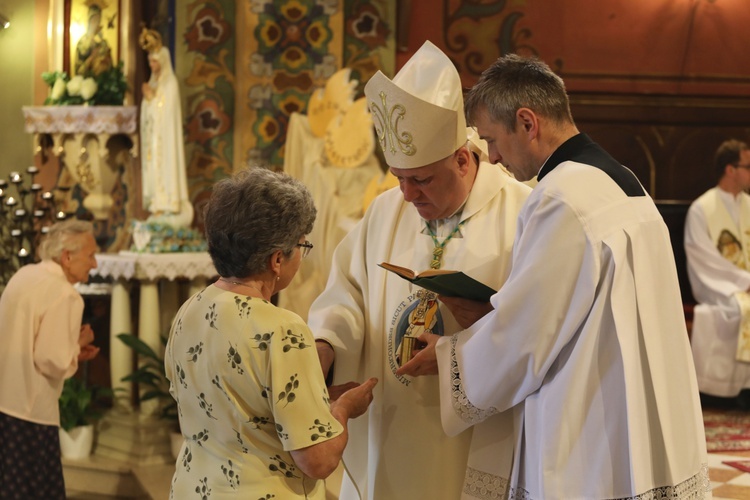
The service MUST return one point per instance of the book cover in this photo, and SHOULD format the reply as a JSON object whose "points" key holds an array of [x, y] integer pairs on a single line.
{"points": [[444, 282]]}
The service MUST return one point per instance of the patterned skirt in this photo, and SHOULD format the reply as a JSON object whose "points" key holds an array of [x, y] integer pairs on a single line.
{"points": [[30, 465]]}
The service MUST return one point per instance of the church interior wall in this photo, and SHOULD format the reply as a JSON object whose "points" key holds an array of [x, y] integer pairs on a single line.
{"points": [[658, 83]]}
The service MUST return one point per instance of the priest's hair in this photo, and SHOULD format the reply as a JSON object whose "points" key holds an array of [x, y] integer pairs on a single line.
{"points": [[63, 236], [251, 215], [513, 82]]}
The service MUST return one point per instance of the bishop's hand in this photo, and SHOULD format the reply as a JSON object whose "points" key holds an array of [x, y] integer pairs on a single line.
{"points": [[424, 361], [466, 311]]}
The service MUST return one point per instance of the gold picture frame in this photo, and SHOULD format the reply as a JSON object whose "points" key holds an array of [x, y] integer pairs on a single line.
{"points": [[93, 34]]}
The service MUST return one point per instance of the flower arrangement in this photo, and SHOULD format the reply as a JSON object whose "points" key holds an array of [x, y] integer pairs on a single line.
{"points": [[161, 237], [105, 88]]}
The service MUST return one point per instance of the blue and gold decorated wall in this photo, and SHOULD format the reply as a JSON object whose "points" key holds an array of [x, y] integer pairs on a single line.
{"points": [[659, 82]]}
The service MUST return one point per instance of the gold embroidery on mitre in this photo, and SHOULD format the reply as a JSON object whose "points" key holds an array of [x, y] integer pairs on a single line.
{"points": [[388, 133]]}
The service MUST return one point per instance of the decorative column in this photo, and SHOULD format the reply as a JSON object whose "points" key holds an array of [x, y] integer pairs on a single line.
{"points": [[125, 434]]}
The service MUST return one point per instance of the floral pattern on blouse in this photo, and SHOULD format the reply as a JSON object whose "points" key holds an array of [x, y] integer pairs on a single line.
{"points": [[249, 388]]}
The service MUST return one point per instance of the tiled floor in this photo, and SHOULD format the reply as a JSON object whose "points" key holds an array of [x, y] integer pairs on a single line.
{"points": [[728, 482]]}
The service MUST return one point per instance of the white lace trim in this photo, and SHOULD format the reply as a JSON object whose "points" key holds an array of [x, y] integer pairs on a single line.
{"points": [[694, 488], [484, 485], [461, 404]]}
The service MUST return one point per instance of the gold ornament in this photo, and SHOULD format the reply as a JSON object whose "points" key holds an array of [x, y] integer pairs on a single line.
{"points": [[149, 40]]}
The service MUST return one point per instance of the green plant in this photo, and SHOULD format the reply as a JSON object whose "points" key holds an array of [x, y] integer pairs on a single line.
{"points": [[80, 404], [151, 374], [105, 88]]}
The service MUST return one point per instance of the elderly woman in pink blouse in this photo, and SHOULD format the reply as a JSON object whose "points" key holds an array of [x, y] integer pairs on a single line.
{"points": [[43, 342]]}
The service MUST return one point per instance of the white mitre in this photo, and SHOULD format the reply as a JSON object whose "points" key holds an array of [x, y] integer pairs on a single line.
{"points": [[419, 115]]}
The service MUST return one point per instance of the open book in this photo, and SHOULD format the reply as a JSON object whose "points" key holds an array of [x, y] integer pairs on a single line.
{"points": [[444, 282]]}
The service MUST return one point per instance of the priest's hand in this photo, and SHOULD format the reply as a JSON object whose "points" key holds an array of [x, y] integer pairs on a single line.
{"points": [[424, 361], [466, 311], [326, 355]]}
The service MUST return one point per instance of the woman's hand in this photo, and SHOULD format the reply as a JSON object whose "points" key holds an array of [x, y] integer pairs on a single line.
{"points": [[335, 391], [355, 401]]}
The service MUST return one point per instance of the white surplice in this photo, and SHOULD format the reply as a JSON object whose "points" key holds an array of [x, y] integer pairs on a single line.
{"points": [[398, 450], [715, 281], [588, 345]]}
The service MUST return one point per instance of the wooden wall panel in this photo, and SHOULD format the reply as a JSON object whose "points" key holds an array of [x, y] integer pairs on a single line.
{"points": [[668, 141]]}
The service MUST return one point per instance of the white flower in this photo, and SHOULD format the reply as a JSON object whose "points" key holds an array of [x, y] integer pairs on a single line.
{"points": [[88, 88], [58, 89], [74, 85]]}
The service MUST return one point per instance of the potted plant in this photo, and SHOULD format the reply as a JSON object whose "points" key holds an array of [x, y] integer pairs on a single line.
{"points": [[151, 374], [78, 410]]}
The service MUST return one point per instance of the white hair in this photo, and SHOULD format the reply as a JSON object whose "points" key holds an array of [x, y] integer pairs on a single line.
{"points": [[64, 236]]}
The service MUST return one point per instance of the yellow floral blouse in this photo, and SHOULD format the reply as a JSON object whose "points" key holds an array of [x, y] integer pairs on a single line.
{"points": [[249, 388]]}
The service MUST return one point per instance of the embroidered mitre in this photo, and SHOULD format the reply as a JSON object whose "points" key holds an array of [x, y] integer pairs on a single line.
{"points": [[419, 115]]}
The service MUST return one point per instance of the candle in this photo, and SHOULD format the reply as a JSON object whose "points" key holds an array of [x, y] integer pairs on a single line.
{"points": [[20, 212], [38, 214], [60, 215], [32, 170], [36, 187], [16, 233], [23, 253], [45, 229], [15, 178], [3, 183], [46, 196], [11, 201]]}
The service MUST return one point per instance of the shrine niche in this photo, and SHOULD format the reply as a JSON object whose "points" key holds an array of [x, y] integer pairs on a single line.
{"points": [[95, 150]]}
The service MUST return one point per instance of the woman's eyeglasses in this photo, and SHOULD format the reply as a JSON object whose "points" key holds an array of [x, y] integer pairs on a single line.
{"points": [[306, 247]]}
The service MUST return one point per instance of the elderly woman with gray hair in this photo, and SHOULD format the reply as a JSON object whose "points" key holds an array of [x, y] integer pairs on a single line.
{"points": [[43, 342], [254, 409]]}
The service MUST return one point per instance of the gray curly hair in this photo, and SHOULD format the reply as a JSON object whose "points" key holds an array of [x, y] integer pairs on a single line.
{"points": [[251, 215]]}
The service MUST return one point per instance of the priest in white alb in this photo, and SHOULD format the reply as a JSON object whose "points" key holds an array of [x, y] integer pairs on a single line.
{"points": [[717, 246], [452, 211], [586, 341]]}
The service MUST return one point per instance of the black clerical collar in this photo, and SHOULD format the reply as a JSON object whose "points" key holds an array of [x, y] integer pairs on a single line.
{"points": [[581, 149]]}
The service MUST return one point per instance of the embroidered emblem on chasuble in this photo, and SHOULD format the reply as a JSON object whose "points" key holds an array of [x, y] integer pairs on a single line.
{"points": [[415, 315], [731, 248]]}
